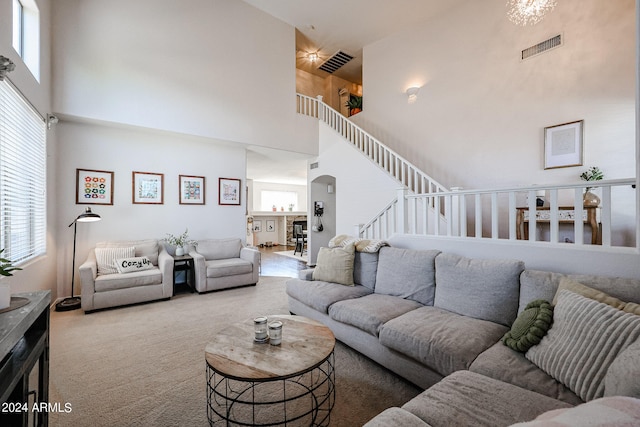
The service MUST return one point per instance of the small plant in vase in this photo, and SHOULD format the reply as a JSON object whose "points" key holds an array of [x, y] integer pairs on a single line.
{"points": [[6, 266], [180, 241], [592, 174]]}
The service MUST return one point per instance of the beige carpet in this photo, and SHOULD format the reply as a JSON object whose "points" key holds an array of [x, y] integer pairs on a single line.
{"points": [[144, 365]]}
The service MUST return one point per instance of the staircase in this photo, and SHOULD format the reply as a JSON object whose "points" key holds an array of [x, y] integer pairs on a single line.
{"points": [[425, 207]]}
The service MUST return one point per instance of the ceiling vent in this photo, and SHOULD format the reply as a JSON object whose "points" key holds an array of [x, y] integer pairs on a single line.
{"points": [[336, 61], [542, 47]]}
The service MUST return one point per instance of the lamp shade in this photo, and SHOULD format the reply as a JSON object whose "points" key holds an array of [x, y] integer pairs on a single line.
{"points": [[88, 216]]}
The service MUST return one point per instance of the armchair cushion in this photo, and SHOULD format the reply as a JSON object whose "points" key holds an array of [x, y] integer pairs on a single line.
{"points": [[219, 248], [228, 267], [110, 282]]}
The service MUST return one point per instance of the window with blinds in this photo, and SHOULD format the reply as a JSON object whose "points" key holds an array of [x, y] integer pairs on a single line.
{"points": [[23, 174]]}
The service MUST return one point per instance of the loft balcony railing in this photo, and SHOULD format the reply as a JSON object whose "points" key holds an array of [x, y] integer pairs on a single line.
{"points": [[505, 214]]}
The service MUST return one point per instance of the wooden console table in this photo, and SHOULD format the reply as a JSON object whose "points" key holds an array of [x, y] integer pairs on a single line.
{"points": [[566, 215], [24, 342]]}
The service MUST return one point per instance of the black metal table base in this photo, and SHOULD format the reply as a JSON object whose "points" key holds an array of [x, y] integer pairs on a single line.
{"points": [[305, 399]]}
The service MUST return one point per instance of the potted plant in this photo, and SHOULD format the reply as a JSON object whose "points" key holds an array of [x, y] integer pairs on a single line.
{"points": [[6, 266], [592, 174], [6, 269], [355, 104], [180, 241]]}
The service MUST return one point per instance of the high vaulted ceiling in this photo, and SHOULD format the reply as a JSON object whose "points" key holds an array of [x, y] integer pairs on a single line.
{"points": [[326, 26], [330, 25]]}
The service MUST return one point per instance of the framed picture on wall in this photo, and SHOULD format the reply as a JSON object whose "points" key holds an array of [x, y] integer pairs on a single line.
{"points": [[147, 188], [191, 190], [257, 226], [563, 145], [229, 191], [94, 187], [271, 225]]}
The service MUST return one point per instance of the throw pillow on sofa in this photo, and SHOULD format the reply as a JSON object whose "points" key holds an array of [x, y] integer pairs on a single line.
{"points": [[106, 258], [335, 265], [129, 265], [530, 326], [586, 337], [591, 293]]}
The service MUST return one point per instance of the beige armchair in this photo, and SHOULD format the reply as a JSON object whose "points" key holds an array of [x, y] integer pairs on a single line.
{"points": [[103, 286], [224, 263]]}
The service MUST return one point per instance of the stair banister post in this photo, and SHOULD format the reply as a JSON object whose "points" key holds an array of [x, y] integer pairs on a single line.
{"points": [[320, 108], [358, 230], [455, 216], [402, 217]]}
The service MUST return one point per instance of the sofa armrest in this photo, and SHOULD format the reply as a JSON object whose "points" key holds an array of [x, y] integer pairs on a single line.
{"points": [[165, 264], [253, 256], [88, 273], [200, 270], [306, 274]]}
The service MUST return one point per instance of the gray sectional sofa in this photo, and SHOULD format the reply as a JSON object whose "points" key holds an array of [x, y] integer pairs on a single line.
{"points": [[437, 319]]}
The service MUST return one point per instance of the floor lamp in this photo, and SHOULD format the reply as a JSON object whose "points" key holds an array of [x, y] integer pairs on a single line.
{"points": [[73, 303]]}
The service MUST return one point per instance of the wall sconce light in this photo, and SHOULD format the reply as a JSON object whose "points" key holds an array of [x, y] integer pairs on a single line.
{"points": [[313, 56], [412, 94], [330, 188], [51, 120]]}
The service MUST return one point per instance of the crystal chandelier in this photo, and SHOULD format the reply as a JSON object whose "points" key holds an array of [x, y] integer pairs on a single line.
{"points": [[528, 12]]}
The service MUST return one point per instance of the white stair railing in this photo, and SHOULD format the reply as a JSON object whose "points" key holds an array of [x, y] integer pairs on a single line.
{"points": [[407, 174]]}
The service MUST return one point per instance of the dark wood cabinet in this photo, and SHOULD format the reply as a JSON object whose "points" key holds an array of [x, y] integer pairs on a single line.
{"points": [[24, 362]]}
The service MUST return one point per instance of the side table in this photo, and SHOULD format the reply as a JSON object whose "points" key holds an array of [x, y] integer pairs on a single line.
{"points": [[184, 263]]}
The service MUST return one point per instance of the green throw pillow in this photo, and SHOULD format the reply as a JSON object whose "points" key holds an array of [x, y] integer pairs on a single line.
{"points": [[530, 326]]}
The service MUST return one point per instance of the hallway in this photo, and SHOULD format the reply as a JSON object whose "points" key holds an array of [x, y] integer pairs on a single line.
{"points": [[273, 264]]}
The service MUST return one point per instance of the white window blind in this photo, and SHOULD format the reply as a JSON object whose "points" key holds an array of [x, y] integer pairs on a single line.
{"points": [[22, 177]]}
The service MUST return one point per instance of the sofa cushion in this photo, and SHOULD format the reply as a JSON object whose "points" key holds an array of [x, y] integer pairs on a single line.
{"points": [[585, 338], [530, 326], [444, 341], [469, 399], [320, 295], [536, 284], [483, 289], [219, 248], [335, 265], [365, 267], [106, 258], [504, 364], [396, 417], [111, 282], [407, 273], [228, 267], [617, 411], [129, 265], [370, 312], [622, 377], [148, 248]]}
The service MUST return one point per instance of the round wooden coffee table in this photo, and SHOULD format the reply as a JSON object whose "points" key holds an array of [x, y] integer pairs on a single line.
{"points": [[253, 384]]}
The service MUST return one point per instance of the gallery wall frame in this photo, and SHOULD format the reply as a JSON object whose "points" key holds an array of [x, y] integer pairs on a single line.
{"points": [[257, 226], [563, 145], [147, 188], [271, 225], [94, 187], [192, 189], [229, 191]]}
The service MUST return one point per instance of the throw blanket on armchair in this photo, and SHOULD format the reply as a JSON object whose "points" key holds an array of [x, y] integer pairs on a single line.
{"points": [[362, 245]]}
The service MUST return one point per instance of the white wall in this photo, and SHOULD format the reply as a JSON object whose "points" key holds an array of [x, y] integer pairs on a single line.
{"points": [[38, 274], [124, 150], [480, 115], [361, 190], [213, 68]]}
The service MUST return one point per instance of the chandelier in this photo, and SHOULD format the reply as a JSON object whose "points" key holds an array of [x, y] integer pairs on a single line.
{"points": [[528, 12]]}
